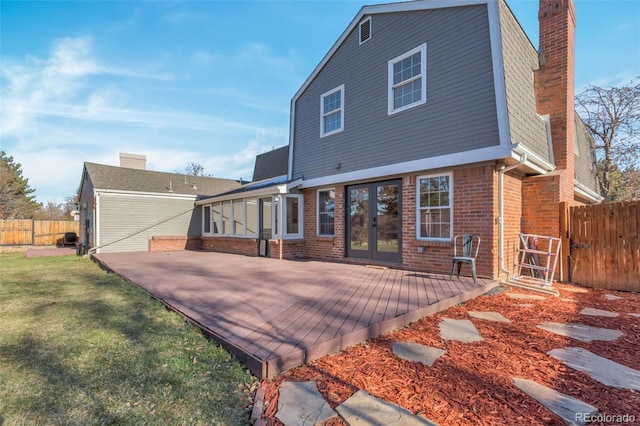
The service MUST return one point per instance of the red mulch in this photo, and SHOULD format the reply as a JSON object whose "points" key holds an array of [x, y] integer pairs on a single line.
{"points": [[472, 383]]}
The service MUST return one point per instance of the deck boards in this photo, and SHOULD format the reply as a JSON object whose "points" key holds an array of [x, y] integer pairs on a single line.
{"points": [[276, 314]]}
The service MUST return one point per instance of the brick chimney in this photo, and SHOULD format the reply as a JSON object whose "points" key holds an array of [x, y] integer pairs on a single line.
{"points": [[554, 84]]}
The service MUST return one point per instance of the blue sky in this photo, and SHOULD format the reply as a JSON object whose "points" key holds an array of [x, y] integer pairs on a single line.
{"points": [[200, 81]]}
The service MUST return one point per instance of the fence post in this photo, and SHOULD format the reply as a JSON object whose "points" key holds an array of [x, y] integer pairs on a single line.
{"points": [[33, 232], [565, 242]]}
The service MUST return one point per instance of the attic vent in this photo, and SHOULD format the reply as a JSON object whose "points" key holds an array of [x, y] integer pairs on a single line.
{"points": [[365, 30]]}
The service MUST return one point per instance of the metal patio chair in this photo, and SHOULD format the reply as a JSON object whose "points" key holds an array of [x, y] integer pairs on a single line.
{"points": [[470, 248]]}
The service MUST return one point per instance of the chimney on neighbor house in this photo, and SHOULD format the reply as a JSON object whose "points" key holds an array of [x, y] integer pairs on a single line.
{"points": [[554, 83], [133, 161]]}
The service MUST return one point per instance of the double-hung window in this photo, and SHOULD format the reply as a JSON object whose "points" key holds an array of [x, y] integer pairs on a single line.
{"points": [[326, 212], [332, 111], [435, 207], [408, 80]]}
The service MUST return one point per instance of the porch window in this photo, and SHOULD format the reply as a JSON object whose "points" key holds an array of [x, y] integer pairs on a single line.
{"points": [[292, 216], [251, 209], [216, 217], [434, 209], [326, 212], [206, 219], [227, 214], [238, 217]]}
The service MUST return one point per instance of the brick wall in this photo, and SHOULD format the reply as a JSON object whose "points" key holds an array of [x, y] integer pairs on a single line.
{"points": [[286, 249], [174, 243], [512, 220], [475, 211], [322, 247], [246, 246]]}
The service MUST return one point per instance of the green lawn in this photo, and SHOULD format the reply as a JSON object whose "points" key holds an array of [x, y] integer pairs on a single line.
{"points": [[79, 346]]}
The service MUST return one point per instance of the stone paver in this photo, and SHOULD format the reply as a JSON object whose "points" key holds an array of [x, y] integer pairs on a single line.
{"points": [[418, 353], [526, 305], [570, 409], [301, 404], [598, 313], [489, 316], [601, 369], [363, 409], [568, 299], [525, 296], [460, 330], [612, 297], [585, 333], [635, 315]]}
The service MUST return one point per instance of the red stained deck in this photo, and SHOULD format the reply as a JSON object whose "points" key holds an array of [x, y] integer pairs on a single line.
{"points": [[276, 314]]}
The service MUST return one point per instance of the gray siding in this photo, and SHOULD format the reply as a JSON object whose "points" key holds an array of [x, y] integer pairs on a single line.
{"points": [[520, 60], [459, 115], [127, 223], [585, 157]]}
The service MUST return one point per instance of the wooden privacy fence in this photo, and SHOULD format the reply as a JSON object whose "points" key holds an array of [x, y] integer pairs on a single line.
{"points": [[35, 232], [601, 245]]}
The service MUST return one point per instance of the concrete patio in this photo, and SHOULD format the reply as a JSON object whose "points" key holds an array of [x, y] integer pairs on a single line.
{"points": [[277, 314]]}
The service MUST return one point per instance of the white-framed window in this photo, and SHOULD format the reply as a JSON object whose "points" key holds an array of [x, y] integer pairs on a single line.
{"points": [[365, 29], [206, 220], [332, 111], [407, 85], [326, 200], [434, 207], [227, 218], [251, 211], [291, 210]]}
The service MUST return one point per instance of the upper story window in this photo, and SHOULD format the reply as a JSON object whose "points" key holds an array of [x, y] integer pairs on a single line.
{"points": [[365, 30], [408, 80], [332, 111], [435, 207]]}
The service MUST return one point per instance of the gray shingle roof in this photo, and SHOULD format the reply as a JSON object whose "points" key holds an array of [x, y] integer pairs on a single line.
{"points": [[125, 179], [271, 164]]}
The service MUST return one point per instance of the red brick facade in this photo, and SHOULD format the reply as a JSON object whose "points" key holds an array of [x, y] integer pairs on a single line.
{"points": [[174, 243], [475, 210]]}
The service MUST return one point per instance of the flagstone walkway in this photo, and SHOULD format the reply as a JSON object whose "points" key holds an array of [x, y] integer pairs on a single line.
{"points": [[365, 409]]}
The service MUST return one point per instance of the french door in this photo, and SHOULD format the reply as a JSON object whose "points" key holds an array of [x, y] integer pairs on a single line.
{"points": [[374, 221]]}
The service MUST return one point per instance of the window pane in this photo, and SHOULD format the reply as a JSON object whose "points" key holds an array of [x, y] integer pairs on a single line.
{"points": [[332, 122], [435, 209], [226, 218], [206, 219], [238, 217], [326, 208], [292, 215], [217, 222], [251, 207]]}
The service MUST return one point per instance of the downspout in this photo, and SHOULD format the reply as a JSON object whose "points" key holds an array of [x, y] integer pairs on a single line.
{"points": [[502, 170]]}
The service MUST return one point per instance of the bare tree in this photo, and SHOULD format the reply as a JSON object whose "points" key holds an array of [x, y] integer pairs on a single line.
{"points": [[195, 169], [612, 115]]}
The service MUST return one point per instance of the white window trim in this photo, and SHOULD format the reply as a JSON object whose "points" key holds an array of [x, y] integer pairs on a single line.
{"points": [[418, 210], [283, 222], [341, 110], [423, 74], [360, 30], [318, 212]]}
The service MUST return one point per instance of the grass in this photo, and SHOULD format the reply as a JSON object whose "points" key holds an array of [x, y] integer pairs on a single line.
{"points": [[79, 346]]}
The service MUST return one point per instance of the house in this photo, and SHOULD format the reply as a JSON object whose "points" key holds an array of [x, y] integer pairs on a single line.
{"points": [[129, 208], [425, 119]]}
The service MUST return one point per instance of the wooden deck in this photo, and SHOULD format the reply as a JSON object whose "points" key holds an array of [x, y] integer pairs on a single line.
{"points": [[277, 314]]}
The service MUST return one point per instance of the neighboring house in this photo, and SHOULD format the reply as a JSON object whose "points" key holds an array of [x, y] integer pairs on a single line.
{"points": [[425, 119], [123, 208]]}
